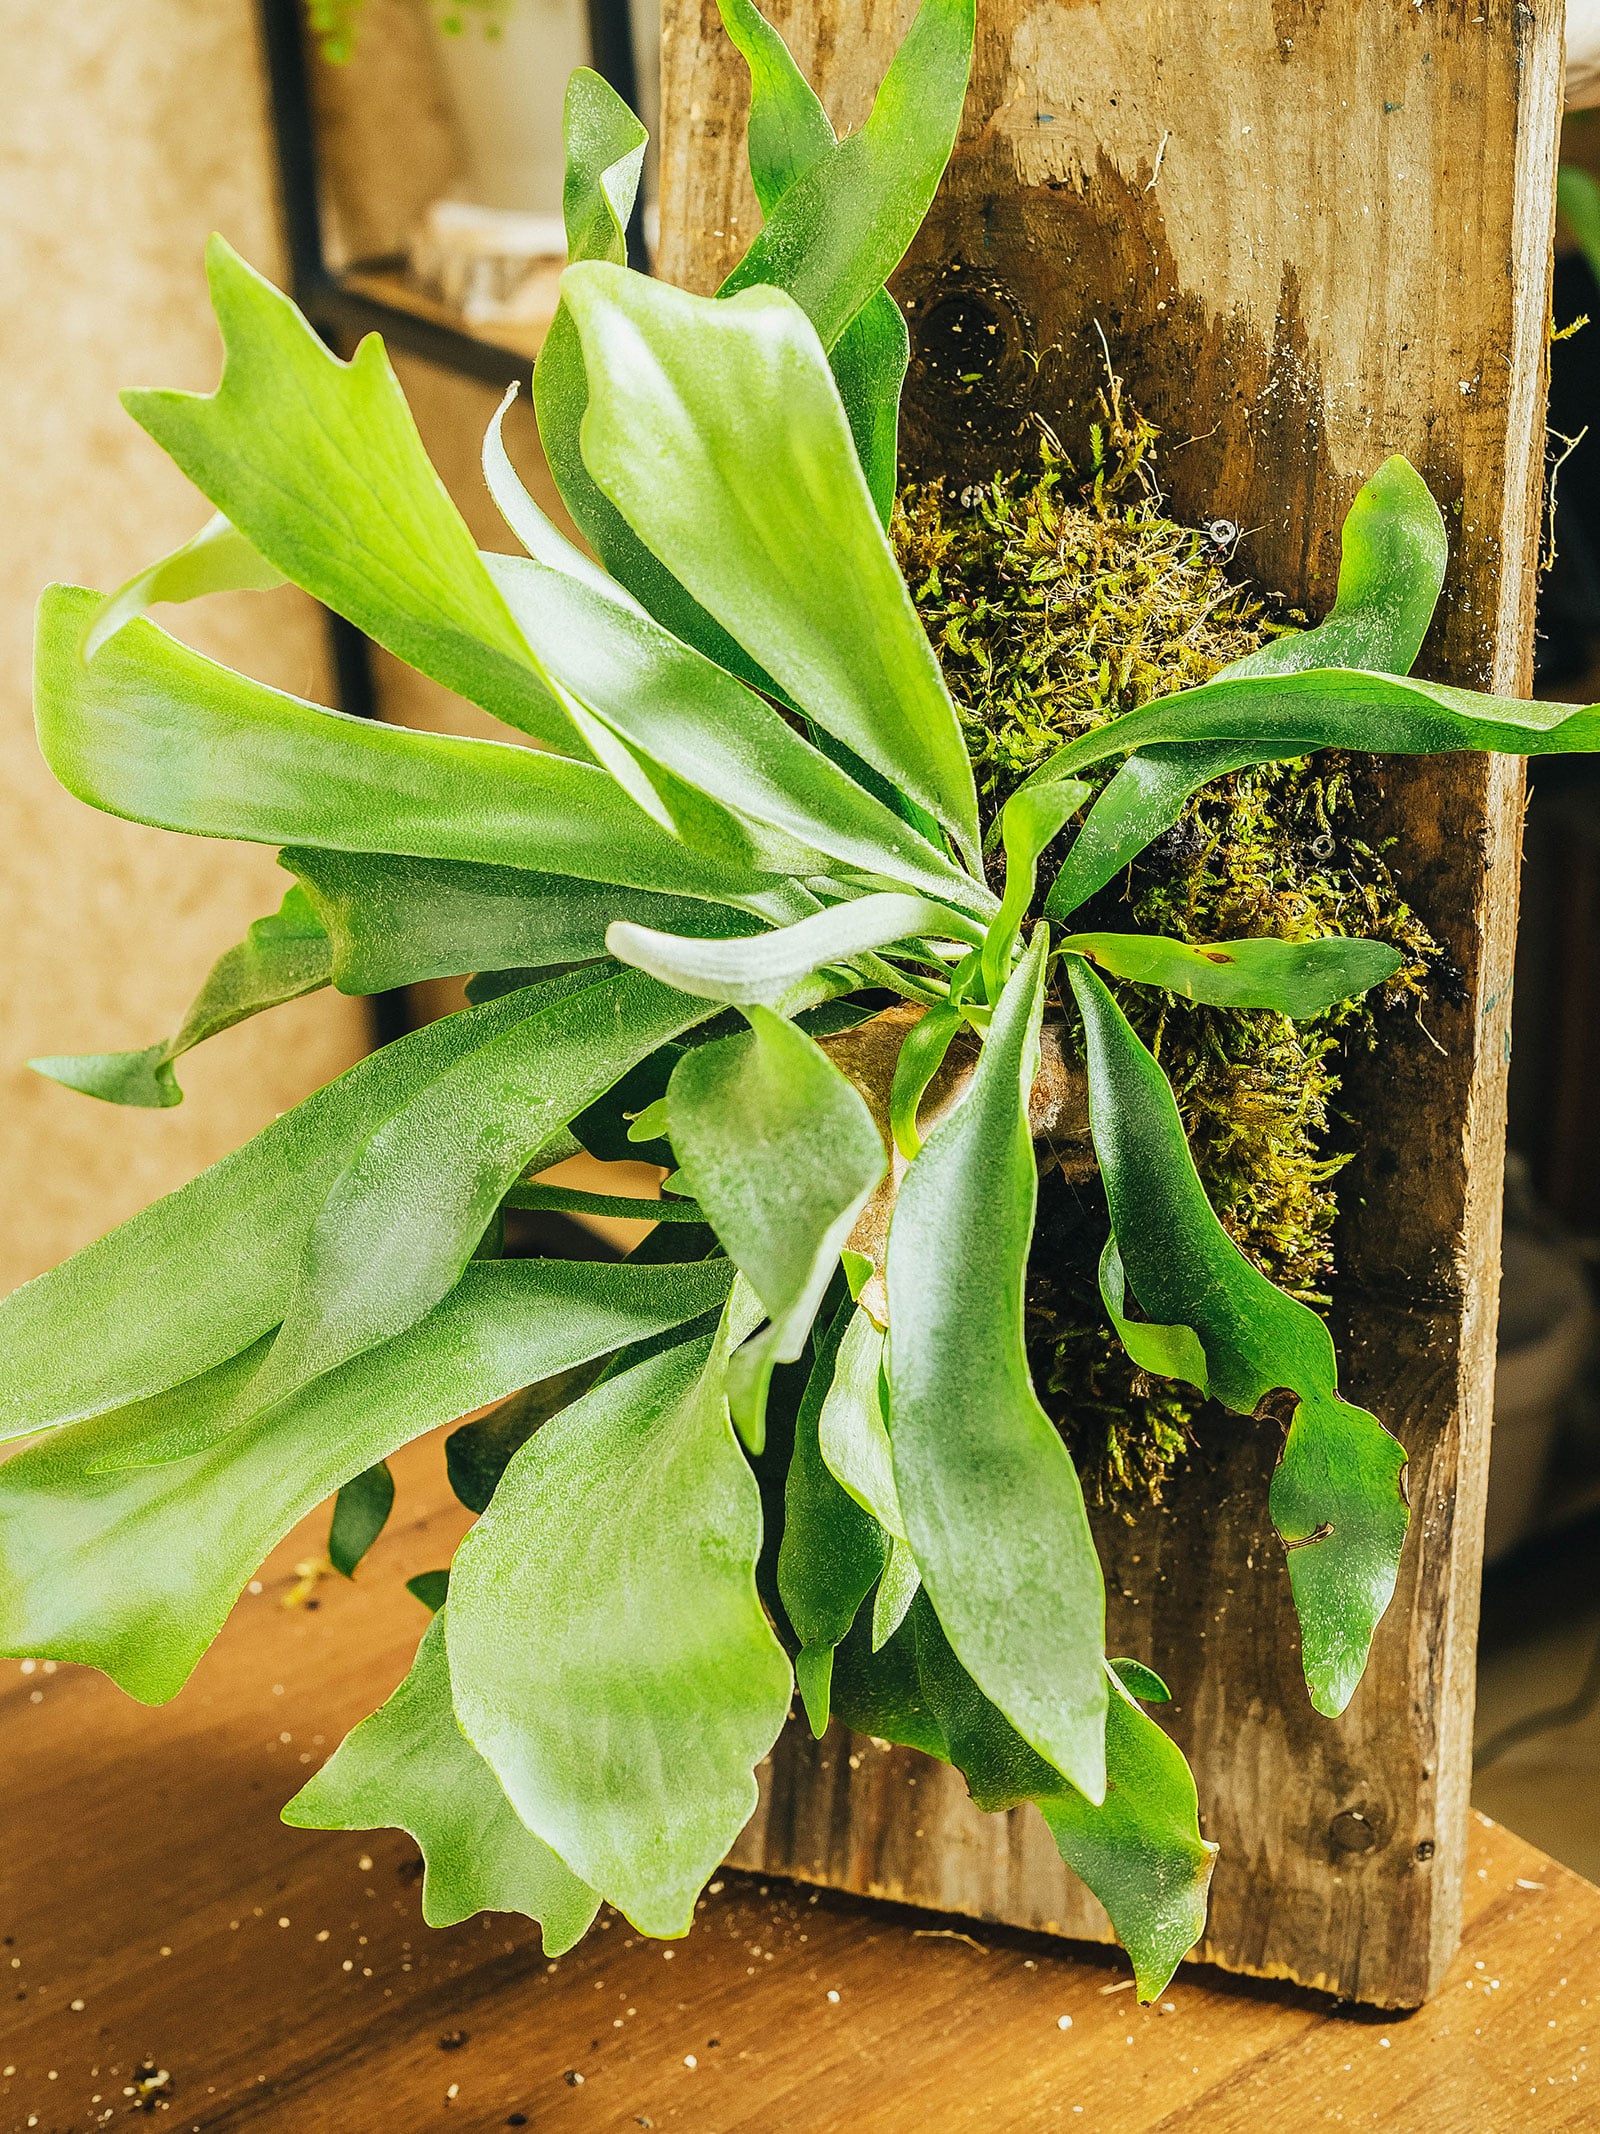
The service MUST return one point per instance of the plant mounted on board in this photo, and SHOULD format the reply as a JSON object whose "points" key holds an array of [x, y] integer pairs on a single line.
{"points": [[752, 816]]}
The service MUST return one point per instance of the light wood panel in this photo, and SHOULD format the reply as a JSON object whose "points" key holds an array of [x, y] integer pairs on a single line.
{"points": [[1311, 236], [154, 1908]]}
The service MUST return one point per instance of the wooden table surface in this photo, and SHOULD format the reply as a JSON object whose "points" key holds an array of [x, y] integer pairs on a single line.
{"points": [[156, 1912]]}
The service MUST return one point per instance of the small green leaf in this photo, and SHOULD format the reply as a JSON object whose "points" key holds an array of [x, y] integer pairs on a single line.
{"points": [[409, 1767], [618, 1127], [788, 131], [217, 560], [1336, 1496], [992, 1506], [1029, 820], [610, 1654], [432, 1588], [921, 1055], [852, 1434], [360, 1514], [151, 730], [651, 1123], [1294, 977], [832, 1551], [605, 147], [1338, 1502], [763, 968], [897, 1589], [394, 920], [318, 464], [782, 1154], [1141, 1681], [280, 958], [1393, 553], [402, 1218], [1169, 1351], [124, 1555], [753, 495], [142, 1079]]}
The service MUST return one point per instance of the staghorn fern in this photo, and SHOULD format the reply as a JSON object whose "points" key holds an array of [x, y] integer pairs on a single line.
{"points": [[751, 815]]}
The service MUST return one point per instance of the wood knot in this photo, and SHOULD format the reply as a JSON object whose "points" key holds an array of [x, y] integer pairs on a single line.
{"points": [[1353, 1831]]}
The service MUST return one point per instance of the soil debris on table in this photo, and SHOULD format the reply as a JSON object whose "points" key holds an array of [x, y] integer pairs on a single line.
{"points": [[150, 2089]]}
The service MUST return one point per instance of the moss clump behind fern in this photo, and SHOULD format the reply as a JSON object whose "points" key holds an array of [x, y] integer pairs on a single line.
{"points": [[1055, 606]]}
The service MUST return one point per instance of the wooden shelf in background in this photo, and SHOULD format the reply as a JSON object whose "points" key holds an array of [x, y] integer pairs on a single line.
{"points": [[389, 286], [147, 1878]]}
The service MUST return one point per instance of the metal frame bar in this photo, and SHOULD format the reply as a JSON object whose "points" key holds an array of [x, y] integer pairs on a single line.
{"points": [[342, 315]]}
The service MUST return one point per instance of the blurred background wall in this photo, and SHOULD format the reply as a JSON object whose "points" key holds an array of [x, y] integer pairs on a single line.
{"points": [[127, 133]]}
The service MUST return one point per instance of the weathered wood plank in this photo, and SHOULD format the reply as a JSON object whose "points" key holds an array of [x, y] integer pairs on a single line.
{"points": [[1311, 237]]}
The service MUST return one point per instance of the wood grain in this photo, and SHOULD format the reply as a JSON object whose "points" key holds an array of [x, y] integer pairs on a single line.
{"points": [[1311, 236], [145, 1876]]}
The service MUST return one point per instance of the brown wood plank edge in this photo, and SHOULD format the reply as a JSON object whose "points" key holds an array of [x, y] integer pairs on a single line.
{"points": [[1311, 237], [154, 1914]]}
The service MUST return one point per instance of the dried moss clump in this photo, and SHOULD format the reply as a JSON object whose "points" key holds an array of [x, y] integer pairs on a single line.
{"points": [[1055, 606], [1053, 609]]}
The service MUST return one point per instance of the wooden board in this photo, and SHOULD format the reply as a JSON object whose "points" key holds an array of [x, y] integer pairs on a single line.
{"points": [[1311, 235], [155, 1909]]}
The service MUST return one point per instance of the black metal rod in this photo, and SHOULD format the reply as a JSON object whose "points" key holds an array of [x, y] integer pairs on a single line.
{"points": [[283, 40], [614, 58], [611, 52], [289, 88], [342, 314]]}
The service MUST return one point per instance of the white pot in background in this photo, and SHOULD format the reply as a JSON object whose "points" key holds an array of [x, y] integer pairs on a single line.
{"points": [[1583, 54], [508, 92], [1547, 1327]]}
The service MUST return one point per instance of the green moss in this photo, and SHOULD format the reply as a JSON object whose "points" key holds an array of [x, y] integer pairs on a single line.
{"points": [[1054, 609], [1055, 605]]}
